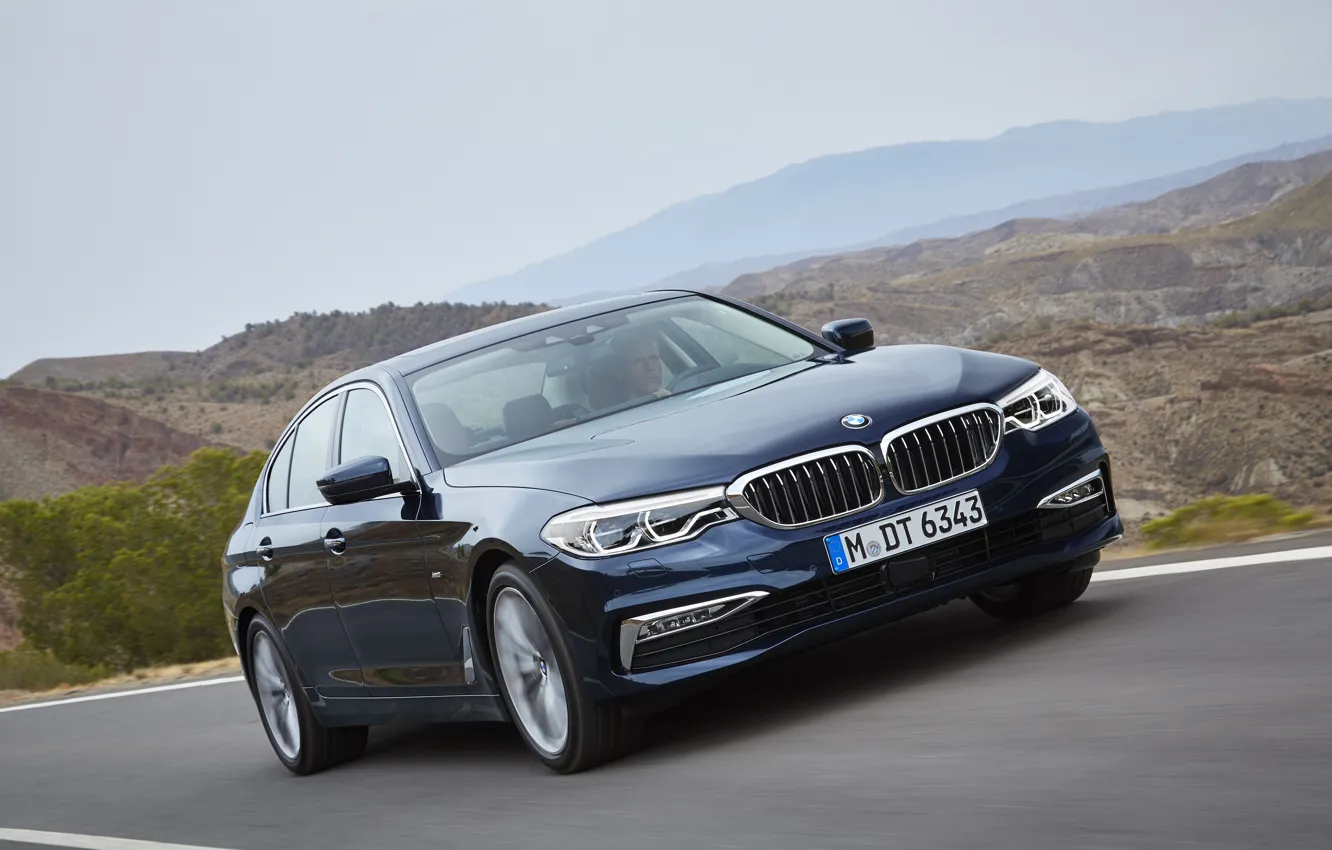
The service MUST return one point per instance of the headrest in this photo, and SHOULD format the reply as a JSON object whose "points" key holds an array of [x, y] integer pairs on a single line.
{"points": [[604, 384], [527, 417], [446, 431]]}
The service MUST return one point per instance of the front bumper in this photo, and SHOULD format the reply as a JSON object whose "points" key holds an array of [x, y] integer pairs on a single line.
{"points": [[807, 603]]}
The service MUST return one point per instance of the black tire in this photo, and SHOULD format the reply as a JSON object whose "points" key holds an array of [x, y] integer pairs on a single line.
{"points": [[1037, 594], [598, 730], [319, 747]]}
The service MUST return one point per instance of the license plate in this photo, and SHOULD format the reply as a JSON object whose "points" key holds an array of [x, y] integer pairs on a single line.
{"points": [[891, 536]]}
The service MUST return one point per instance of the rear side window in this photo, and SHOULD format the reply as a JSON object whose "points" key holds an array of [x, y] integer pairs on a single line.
{"points": [[278, 475], [309, 457], [367, 430]]}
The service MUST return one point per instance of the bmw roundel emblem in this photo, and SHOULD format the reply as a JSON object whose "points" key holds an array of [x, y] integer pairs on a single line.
{"points": [[855, 420]]}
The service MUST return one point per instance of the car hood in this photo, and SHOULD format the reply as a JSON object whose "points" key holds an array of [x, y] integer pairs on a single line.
{"points": [[712, 435]]}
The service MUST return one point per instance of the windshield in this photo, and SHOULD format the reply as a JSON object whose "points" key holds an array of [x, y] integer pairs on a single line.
{"points": [[548, 380]]}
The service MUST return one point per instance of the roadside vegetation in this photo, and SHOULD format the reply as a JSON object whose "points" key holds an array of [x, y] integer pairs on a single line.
{"points": [[120, 577], [27, 669], [1224, 519], [118, 584], [26, 676]]}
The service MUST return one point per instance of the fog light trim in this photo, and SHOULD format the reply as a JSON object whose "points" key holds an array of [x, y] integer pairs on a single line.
{"points": [[1085, 489], [672, 621]]}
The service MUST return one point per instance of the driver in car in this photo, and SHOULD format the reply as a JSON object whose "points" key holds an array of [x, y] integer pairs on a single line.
{"points": [[639, 363]]}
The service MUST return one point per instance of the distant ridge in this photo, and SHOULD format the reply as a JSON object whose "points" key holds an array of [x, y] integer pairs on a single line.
{"points": [[1238, 192], [857, 198], [718, 275], [966, 291]]}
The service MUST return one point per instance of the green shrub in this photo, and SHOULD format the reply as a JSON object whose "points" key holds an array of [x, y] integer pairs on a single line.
{"points": [[124, 576], [27, 669], [1219, 519]]}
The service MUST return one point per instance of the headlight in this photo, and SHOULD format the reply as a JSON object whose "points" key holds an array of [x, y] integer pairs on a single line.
{"points": [[620, 527], [1037, 403]]}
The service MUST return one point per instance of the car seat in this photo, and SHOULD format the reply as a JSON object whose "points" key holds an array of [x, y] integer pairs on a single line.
{"points": [[449, 435], [528, 416], [603, 384]]}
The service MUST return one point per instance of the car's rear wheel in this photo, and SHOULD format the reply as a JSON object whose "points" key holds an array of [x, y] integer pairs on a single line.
{"points": [[564, 727], [1036, 594], [299, 740]]}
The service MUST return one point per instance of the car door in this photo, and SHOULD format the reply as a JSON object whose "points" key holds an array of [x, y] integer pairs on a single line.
{"points": [[289, 545], [377, 567]]}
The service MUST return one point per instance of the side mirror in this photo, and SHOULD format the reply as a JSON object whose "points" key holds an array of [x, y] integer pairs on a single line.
{"points": [[851, 334], [360, 479]]}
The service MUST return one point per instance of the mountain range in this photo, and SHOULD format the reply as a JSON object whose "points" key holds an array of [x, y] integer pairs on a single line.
{"points": [[879, 195], [1236, 193], [966, 290], [1196, 324], [712, 276]]}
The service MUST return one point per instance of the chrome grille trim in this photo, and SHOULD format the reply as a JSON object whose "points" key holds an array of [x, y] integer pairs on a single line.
{"points": [[809, 489], [943, 448]]}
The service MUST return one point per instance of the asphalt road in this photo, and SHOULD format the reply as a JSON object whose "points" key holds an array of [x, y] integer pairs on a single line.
{"points": [[1176, 711]]}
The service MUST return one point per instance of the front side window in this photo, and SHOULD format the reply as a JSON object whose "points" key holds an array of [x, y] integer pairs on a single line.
{"points": [[544, 381], [368, 431], [309, 456]]}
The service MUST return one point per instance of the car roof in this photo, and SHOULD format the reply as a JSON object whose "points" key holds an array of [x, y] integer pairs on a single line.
{"points": [[446, 349]]}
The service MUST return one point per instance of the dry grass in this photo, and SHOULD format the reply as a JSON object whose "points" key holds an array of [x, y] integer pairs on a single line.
{"points": [[146, 677]]}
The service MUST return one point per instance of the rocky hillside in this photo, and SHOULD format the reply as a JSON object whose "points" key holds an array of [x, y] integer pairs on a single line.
{"points": [[1188, 407], [52, 442], [1235, 194], [1190, 412], [243, 390], [338, 340], [1281, 255], [1240, 192], [1187, 412]]}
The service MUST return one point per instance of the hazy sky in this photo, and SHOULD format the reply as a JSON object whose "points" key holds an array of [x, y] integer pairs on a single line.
{"points": [[172, 170]]}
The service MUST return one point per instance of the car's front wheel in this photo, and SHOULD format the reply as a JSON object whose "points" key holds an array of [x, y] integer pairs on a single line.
{"points": [[1036, 594], [301, 742], [561, 724]]}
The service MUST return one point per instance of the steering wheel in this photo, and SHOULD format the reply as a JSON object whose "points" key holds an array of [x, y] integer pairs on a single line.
{"points": [[674, 384], [572, 410]]}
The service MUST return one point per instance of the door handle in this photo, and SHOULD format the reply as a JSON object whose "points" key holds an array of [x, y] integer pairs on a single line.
{"points": [[335, 542], [265, 549]]}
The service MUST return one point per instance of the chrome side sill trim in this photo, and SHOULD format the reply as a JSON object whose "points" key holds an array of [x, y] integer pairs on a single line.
{"points": [[469, 668]]}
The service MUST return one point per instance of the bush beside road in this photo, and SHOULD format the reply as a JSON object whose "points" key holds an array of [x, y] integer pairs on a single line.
{"points": [[120, 577]]}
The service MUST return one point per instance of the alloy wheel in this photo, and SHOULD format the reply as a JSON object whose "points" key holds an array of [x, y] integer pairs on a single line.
{"points": [[532, 676], [276, 698]]}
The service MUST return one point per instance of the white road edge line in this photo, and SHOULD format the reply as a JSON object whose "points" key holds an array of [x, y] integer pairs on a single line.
{"points": [[203, 683], [89, 842], [1312, 554]]}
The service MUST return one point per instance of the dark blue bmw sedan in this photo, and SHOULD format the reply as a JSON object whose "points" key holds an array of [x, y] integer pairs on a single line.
{"points": [[567, 520]]}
